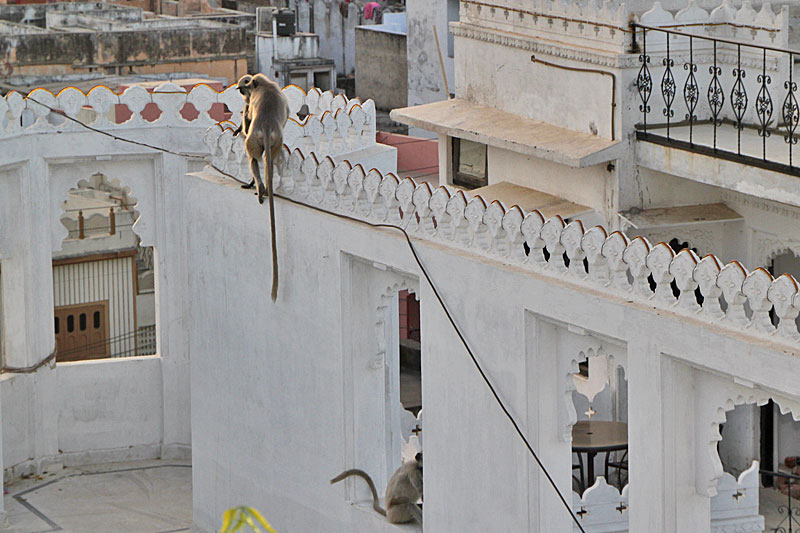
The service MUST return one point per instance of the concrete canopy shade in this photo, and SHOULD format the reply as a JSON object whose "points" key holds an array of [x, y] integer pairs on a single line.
{"points": [[488, 125]]}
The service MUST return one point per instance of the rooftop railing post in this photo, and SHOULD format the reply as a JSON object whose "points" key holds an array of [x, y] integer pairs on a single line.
{"points": [[668, 86], [764, 105], [634, 45], [739, 98], [716, 96], [690, 90], [644, 82], [790, 112]]}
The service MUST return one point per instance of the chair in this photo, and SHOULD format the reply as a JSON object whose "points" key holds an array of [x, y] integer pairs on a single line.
{"points": [[581, 481], [620, 465]]}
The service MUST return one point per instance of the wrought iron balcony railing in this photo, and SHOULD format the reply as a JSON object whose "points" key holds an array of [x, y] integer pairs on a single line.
{"points": [[715, 97], [790, 511]]}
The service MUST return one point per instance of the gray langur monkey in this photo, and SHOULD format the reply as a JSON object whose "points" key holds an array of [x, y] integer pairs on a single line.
{"points": [[402, 492], [265, 114]]}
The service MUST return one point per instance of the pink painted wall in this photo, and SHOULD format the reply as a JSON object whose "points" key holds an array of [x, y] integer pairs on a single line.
{"points": [[415, 156]]}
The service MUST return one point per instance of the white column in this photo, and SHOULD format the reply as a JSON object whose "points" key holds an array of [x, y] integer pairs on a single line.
{"points": [[647, 477], [28, 273], [662, 408], [445, 160], [27, 292], [546, 431], [173, 300]]}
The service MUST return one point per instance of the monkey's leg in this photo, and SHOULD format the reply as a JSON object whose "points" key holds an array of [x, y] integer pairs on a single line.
{"points": [[415, 511], [257, 179], [269, 174], [244, 126], [253, 180]]}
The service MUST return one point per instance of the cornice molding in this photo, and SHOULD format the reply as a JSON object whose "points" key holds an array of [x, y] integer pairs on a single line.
{"points": [[534, 44]]}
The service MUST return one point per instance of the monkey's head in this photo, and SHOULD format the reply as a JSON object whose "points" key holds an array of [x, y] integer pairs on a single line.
{"points": [[418, 459], [246, 84]]}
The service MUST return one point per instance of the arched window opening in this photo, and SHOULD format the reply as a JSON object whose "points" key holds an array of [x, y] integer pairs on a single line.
{"points": [[600, 398], [410, 352], [103, 279], [760, 455], [409, 371]]}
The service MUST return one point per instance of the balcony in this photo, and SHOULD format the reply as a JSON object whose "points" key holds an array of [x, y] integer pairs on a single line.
{"points": [[728, 99]]}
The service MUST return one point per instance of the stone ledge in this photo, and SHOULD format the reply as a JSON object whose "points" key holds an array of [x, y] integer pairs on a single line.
{"points": [[474, 122]]}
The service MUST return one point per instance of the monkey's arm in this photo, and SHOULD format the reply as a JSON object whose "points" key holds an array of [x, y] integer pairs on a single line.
{"points": [[246, 119]]}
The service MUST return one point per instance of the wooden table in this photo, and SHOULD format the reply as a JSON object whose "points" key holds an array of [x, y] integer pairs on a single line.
{"points": [[594, 436]]}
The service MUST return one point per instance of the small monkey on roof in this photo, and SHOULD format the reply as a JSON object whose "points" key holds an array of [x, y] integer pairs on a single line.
{"points": [[402, 491], [265, 114]]}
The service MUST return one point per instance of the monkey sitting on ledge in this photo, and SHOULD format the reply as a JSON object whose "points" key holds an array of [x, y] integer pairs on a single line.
{"points": [[402, 492], [266, 111]]}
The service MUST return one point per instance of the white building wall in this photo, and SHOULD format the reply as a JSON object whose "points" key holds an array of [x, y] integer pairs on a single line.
{"points": [[589, 186], [528, 89], [317, 351], [109, 410], [115, 409], [527, 325], [425, 80]]}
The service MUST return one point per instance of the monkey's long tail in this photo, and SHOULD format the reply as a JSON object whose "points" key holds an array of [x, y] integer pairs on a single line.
{"points": [[363, 475], [268, 156]]}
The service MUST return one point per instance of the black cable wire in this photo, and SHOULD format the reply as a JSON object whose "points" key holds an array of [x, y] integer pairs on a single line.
{"points": [[124, 337], [92, 229], [460, 336], [100, 207], [422, 269], [384, 141]]}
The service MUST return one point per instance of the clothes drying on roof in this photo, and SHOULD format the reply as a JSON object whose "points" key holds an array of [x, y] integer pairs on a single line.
{"points": [[370, 10]]}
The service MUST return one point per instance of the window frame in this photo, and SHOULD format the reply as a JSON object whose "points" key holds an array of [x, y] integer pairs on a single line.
{"points": [[463, 179]]}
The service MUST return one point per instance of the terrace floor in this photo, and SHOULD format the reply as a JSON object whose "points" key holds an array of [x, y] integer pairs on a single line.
{"points": [[748, 142], [148, 496], [136, 496], [769, 503]]}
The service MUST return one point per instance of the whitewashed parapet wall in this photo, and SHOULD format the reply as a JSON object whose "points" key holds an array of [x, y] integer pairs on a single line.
{"points": [[334, 125], [733, 296], [604, 509], [735, 507]]}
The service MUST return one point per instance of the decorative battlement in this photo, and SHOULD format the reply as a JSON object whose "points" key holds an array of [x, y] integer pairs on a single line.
{"points": [[590, 21], [745, 25], [605, 26], [632, 267], [334, 124]]}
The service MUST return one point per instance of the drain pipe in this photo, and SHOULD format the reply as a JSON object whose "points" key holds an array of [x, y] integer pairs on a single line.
{"points": [[595, 71]]}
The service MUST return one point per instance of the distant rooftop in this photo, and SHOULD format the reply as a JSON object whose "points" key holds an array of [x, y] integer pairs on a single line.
{"points": [[85, 82]]}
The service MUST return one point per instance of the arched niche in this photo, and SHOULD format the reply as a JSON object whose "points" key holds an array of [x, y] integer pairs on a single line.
{"points": [[136, 178], [575, 347], [103, 278], [402, 422], [716, 396]]}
